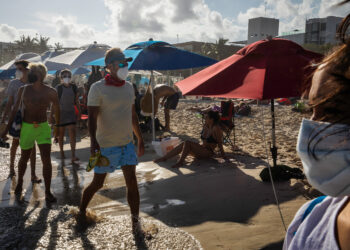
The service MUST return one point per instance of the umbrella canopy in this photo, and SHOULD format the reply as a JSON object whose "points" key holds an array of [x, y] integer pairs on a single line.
{"points": [[75, 58], [31, 57], [50, 54], [81, 71], [9, 69], [266, 69], [7, 74], [157, 55]]}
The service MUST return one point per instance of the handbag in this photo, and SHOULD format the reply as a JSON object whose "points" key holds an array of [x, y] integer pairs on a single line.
{"points": [[15, 129]]}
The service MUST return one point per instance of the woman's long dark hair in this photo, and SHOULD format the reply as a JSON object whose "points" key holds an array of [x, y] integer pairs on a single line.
{"points": [[336, 103], [214, 115]]}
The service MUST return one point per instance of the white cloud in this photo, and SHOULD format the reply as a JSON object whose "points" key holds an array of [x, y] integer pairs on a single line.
{"points": [[138, 20], [10, 34], [130, 21], [329, 8]]}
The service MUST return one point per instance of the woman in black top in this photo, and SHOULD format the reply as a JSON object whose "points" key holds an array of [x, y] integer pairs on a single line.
{"points": [[211, 136]]}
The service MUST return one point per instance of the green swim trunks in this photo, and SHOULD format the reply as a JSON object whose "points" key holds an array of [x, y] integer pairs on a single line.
{"points": [[31, 133]]}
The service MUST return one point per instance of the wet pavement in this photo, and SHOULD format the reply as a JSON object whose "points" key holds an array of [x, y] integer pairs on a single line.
{"points": [[219, 204], [31, 223]]}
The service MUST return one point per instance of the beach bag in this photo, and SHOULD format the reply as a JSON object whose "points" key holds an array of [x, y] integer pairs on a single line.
{"points": [[281, 173], [15, 129]]}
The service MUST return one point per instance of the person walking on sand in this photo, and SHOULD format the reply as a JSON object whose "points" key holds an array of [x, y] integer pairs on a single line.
{"points": [[35, 100], [112, 121], [12, 90], [69, 99]]}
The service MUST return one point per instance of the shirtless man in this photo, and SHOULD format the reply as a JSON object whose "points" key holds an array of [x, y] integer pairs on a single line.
{"points": [[12, 90], [37, 98]]}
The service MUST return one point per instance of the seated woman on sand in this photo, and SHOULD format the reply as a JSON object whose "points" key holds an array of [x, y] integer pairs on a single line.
{"points": [[212, 137]]}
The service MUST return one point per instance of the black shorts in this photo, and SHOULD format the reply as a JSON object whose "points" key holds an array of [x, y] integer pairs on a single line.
{"points": [[172, 101]]}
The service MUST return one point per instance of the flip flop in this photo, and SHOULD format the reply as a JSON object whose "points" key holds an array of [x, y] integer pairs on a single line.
{"points": [[97, 160], [93, 161]]}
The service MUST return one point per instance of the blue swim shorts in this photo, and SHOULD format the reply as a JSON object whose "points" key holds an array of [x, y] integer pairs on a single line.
{"points": [[118, 157]]}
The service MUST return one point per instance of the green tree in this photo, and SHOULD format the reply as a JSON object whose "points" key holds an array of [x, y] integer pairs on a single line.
{"points": [[322, 49], [216, 50], [31, 44], [26, 44], [221, 48], [42, 44], [58, 46]]}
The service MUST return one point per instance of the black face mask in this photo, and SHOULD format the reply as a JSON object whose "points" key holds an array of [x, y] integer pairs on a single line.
{"points": [[32, 77]]}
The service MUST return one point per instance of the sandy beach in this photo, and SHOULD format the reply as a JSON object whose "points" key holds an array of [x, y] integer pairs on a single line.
{"points": [[223, 205]]}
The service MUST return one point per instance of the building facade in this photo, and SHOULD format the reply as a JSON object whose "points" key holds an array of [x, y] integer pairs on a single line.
{"points": [[262, 27], [294, 36], [322, 30]]}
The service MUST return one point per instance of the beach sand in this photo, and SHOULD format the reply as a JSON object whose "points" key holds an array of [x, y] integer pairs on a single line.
{"points": [[223, 205]]}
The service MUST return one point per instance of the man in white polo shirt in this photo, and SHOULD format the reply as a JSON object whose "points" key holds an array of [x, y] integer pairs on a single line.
{"points": [[112, 121]]}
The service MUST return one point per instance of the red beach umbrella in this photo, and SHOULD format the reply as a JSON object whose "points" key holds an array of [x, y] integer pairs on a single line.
{"points": [[266, 69]]}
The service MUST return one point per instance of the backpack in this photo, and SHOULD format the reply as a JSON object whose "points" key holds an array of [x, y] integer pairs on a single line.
{"points": [[60, 90], [281, 173]]}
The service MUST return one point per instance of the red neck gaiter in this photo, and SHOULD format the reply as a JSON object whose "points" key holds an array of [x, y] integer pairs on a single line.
{"points": [[112, 81]]}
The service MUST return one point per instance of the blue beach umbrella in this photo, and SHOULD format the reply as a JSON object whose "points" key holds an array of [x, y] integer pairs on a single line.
{"points": [[81, 71], [9, 69], [7, 74], [157, 55]]}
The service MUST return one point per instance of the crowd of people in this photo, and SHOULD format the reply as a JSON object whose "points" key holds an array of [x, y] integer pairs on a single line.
{"points": [[323, 142]]}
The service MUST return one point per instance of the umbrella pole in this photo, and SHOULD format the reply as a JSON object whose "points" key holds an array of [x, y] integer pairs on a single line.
{"points": [[153, 128], [273, 134]]}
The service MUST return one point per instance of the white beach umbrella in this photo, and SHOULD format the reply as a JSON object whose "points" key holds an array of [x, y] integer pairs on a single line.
{"points": [[31, 57], [76, 58]]}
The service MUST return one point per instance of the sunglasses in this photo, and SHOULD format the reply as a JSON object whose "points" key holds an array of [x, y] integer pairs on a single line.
{"points": [[122, 65]]}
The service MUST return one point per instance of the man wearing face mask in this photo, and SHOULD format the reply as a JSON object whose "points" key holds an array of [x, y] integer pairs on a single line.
{"points": [[68, 97], [112, 121], [12, 90], [35, 99]]}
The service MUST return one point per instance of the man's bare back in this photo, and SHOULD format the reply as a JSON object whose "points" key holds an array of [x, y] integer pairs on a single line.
{"points": [[36, 100]]}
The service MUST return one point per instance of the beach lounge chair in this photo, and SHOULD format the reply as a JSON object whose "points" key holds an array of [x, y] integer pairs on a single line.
{"points": [[227, 123]]}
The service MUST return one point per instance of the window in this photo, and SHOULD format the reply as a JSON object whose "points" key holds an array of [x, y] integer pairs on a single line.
{"points": [[323, 26]]}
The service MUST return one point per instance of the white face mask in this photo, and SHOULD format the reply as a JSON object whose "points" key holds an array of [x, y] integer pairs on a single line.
{"points": [[66, 80], [19, 74], [330, 174], [122, 73]]}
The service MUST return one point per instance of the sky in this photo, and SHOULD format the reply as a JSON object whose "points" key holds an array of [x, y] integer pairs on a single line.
{"points": [[120, 23]]}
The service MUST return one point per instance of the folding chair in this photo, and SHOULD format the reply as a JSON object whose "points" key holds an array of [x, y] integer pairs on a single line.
{"points": [[227, 123]]}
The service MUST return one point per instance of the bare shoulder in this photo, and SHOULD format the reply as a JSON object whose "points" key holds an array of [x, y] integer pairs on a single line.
{"points": [[343, 227], [50, 91]]}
